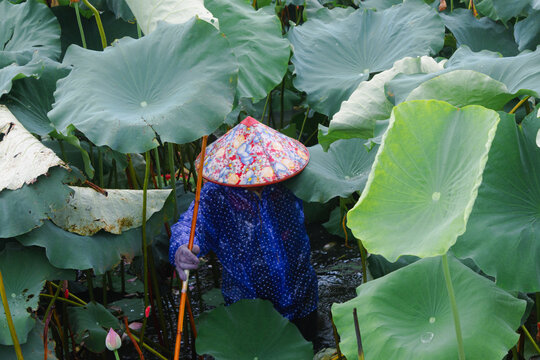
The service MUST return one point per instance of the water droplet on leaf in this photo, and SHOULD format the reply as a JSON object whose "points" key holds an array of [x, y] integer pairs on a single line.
{"points": [[427, 337]]}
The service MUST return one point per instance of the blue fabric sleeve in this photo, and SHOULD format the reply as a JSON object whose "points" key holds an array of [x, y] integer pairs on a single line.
{"points": [[181, 230]]}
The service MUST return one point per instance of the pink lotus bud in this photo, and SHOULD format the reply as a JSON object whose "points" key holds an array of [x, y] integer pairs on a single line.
{"points": [[113, 341], [137, 326], [147, 311], [66, 293]]}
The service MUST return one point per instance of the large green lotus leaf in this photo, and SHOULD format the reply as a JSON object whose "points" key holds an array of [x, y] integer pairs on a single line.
{"points": [[358, 115], [33, 348], [24, 271], [464, 87], [181, 89], [377, 4], [114, 28], [502, 10], [31, 98], [91, 324], [424, 180], [341, 171], [516, 72], [407, 315], [25, 29], [480, 34], [250, 329], [14, 71], [150, 12], [88, 211], [255, 36], [332, 58], [527, 32], [505, 215]]}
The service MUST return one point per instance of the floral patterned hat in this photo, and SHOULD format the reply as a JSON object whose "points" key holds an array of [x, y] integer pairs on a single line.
{"points": [[253, 154]]}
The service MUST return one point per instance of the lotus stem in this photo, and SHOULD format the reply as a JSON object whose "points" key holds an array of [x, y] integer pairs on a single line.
{"points": [[518, 105], [147, 347], [157, 295], [81, 31], [49, 307], [104, 284], [282, 104], [90, 284], [131, 172], [170, 150], [528, 334], [363, 257], [98, 22], [82, 302], [453, 303], [158, 168], [100, 168], [128, 332], [144, 244], [67, 301], [336, 338], [358, 335], [303, 123], [265, 105], [451, 5], [9, 319]]}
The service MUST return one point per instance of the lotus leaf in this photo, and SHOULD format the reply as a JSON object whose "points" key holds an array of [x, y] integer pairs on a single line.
{"points": [[142, 98], [527, 32], [89, 324], [424, 180], [262, 44], [516, 72], [236, 332], [461, 88], [331, 59], [339, 172], [407, 315], [89, 211], [133, 309], [378, 4], [480, 34], [368, 103], [501, 9], [24, 271], [31, 98], [149, 12], [32, 203], [24, 158], [33, 348], [27, 28], [505, 215]]}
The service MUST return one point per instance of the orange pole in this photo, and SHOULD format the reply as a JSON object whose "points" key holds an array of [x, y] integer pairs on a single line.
{"points": [[190, 246]]}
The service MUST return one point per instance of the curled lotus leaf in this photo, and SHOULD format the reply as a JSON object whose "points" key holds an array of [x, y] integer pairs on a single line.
{"points": [[501, 9], [31, 98], [23, 158], [25, 29], [407, 315], [235, 333], [368, 103], [480, 34], [88, 211], [181, 89], [150, 12], [424, 180], [505, 215], [527, 31], [516, 72], [341, 171], [24, 271], [262, 44], [332, 58]]}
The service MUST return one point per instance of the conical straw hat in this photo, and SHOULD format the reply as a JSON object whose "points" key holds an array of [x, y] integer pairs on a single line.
{"points": [[252, 154]]}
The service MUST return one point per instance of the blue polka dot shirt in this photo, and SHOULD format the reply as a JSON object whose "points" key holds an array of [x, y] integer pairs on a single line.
{"points": [[261, 242]]}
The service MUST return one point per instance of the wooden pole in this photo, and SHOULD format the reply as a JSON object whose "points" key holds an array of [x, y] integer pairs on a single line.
{"points": [[190, 247]]}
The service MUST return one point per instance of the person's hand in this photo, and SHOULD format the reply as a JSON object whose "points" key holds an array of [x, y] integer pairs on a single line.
{"points": [[186, 260]]}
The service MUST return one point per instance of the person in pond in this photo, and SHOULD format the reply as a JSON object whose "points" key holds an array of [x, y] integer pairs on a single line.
{"points": [[253, 223]]}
